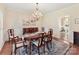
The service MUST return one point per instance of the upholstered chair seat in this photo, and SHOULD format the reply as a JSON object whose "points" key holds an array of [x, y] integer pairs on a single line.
{"points": [[35, 42], [19, 44]]}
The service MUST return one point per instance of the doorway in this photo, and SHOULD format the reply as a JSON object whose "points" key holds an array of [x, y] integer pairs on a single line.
{"points": [[64, 27]]}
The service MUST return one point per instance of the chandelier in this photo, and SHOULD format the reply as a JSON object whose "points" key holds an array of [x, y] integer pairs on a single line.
{"points": [[36, 15]]}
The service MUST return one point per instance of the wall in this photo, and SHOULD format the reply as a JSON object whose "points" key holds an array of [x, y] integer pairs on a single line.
{"points": [[52, 20], [2, 13]]}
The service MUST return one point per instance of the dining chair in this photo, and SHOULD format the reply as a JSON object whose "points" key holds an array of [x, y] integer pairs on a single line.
{"points": [[19, 42], [48, 38], [11, 34], [40, 43]]}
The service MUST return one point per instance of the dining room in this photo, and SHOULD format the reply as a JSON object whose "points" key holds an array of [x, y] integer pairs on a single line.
{"points": [[37, 28]]}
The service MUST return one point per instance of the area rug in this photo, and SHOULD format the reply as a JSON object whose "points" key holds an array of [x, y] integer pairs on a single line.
{"points": [[57, 48]]}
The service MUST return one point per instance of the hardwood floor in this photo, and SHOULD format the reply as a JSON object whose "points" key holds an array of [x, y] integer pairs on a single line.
{"points": [[6, 50], [74, 50]]}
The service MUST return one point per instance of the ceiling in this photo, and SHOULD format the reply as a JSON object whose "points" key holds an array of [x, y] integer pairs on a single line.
{"points": [[44, 7]]}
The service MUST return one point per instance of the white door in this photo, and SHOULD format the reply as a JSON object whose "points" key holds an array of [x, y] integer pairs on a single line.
{"points": [[1, 30]]}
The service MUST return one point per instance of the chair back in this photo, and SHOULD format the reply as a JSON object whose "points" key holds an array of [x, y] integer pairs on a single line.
{"points": [[43, 38], [50, 33], [10, 33]]}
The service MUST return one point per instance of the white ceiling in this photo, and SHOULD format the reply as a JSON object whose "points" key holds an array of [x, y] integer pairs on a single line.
{"points": [[44, 7]]}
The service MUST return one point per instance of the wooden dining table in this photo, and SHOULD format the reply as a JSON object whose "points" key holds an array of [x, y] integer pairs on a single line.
{"points": [[33, 37]]}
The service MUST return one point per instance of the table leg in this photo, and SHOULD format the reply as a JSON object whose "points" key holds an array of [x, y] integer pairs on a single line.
{"points": [[30, 47]]}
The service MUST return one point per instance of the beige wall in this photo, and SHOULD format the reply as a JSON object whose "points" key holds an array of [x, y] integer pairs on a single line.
{"points": [[52, 20], [2, 13]]}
